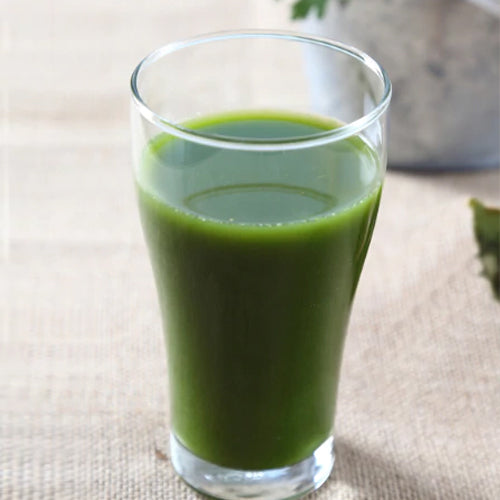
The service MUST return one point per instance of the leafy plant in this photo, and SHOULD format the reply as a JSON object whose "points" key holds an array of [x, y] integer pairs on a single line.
{"points": [[302, 8], [487, 232]]}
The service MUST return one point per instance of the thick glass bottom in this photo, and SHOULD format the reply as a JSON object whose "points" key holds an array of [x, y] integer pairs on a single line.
{"points": [[272, 484]]}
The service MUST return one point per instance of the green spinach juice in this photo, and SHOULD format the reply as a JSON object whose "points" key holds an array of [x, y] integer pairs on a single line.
{"points": [[256, 256]]}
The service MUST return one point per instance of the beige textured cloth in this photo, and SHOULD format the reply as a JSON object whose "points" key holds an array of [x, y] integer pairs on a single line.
{"points": [[82, 366]]}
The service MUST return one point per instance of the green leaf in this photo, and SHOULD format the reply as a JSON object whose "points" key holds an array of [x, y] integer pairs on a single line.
{"points": [[302, 8], [487, 232]]}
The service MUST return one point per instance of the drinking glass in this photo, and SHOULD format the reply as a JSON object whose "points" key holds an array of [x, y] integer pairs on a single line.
{"points": [[257, 207]]}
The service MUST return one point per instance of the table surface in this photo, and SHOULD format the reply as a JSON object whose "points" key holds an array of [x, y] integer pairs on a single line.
{"points": [[83, 401]]}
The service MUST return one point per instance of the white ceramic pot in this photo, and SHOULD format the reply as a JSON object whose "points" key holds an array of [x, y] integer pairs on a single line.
{"points": [[443, 57]]}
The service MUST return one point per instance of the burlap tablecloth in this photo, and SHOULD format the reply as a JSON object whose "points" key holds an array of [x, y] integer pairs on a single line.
{"points": [[83, 411]]}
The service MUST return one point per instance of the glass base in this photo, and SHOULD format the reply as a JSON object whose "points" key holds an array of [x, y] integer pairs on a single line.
{"points": [[272, 484]]}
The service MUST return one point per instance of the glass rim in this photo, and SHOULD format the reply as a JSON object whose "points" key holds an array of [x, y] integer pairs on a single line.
{"points": [[335, 134]]}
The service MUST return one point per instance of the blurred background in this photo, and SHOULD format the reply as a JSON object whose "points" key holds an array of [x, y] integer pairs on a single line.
{"points": [[82, 371]]}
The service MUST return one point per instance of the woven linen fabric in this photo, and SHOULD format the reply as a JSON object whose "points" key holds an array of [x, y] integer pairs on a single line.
{"points": [[83, 388]]}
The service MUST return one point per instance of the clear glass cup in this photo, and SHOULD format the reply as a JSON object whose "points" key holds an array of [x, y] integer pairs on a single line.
{"points": [[257, 208]]}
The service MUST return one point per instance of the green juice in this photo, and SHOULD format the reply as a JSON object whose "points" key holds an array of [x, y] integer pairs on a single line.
{"points": [[256, 257]]}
